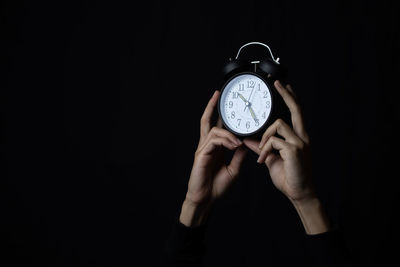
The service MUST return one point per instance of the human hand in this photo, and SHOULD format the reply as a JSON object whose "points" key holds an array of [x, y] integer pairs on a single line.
{"points": [[290, 169], [210, 176]]}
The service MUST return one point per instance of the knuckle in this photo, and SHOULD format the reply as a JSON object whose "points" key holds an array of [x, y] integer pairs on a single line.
{"points": [[279, 122], [214, 130], [273, 138], [233, 172]]}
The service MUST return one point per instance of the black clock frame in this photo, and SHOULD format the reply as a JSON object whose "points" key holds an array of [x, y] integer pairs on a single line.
{"points": [[274, 98]]}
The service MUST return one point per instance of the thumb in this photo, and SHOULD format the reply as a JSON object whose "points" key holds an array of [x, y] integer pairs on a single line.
{"points": [[252, 144], [237, 159]]}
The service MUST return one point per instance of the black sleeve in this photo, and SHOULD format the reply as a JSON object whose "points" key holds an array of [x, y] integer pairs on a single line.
{"points": [[328, 249], [184, 246]]}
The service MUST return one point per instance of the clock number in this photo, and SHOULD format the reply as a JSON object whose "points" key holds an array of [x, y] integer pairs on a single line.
{"points": [[259, 88], [263, 115], [235, 95], [233, 114], [268, 104], [257, 122], [239, 120], [265, 94], [250, 84], [230, 104], [241, 87], [247, 124]]}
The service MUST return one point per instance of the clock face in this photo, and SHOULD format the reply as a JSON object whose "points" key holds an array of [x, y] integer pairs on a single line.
{"points": [[245, 104]]}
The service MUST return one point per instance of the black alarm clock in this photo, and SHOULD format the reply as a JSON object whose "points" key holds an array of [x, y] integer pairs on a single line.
{"points": [[249, 102]]}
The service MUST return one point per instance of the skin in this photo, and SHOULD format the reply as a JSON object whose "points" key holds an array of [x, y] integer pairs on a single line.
{"points": [[289, 168]]}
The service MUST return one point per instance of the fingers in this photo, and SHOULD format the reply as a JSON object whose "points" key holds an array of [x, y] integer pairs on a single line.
{"points": [[289, 87], [273, 143], [216, 133], [253, 145], [205, 121], [219, 132], [280, 127], [216, 142], [297, 118], [271, 158], [264, 153], [237, 160], [219, 122]]}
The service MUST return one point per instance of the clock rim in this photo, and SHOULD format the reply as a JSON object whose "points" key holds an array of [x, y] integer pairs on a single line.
{"points": [[270, 88]]}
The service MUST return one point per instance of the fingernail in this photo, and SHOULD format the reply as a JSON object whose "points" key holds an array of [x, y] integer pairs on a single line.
{"points": [[259, 146]]}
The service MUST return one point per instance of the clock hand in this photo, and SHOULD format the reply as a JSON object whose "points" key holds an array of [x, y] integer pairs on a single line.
{"points": [[242, 97], [253, 114], [250, 94], [247, 102]]}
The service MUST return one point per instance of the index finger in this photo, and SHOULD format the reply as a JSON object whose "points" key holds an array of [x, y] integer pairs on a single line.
{"points": [[295, 111], [205, 121]]}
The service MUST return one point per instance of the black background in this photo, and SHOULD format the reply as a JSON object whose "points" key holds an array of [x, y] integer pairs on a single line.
{"points": [[101, 104]]}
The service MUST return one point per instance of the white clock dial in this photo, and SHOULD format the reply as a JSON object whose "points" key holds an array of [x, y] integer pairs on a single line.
{"points": [[245, 104]]}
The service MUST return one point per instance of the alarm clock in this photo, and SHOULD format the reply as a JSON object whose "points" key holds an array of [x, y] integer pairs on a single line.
{"points": [[249, 102]]}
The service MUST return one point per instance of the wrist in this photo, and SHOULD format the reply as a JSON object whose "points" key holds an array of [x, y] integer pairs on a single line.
{"points": [[312, 215], [307, 201], [194, 214]]}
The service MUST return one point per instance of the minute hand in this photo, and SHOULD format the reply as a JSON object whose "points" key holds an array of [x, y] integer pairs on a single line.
{"points": [[253, 114]]}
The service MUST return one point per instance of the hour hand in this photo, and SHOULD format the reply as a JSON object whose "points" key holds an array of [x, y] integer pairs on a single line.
{"points": [[245, 101], [242, 97]]}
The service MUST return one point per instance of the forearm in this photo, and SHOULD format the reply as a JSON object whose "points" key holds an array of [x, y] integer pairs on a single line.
{"points": [[312, 215]]}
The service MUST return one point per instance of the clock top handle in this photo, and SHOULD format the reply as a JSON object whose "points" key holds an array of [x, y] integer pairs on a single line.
{"points": [[258, 43], [270, 66]]}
